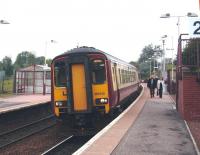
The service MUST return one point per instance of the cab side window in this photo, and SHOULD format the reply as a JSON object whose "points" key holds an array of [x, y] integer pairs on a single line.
{"points": [[98, 71], [60, 74]]}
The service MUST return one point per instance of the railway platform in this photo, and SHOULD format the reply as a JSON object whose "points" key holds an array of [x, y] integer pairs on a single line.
{"points": [[22, 101], [148, 126]]}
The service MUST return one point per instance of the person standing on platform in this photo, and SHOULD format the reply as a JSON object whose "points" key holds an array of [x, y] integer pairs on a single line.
{"points": [[156, 81], [160, 85], [151, 86]]}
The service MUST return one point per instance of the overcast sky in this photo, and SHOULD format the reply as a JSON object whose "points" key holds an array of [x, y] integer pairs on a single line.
{"points": [[121, 28]]}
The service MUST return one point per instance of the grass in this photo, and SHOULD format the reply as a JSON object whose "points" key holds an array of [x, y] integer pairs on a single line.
{"points": [[6, 88]]}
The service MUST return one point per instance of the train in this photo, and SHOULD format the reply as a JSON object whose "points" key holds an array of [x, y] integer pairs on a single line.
{"points": [[87, 82]]}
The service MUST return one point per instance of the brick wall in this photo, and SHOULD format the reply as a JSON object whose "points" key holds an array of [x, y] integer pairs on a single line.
{"points": [[190, 103], [180, 98]]}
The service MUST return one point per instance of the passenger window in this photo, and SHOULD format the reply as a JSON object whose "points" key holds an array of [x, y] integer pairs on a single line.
{"points": [[60, 74], [98, 71]]}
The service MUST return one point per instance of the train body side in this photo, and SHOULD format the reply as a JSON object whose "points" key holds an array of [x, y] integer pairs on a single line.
{"points": [[124, 81]]}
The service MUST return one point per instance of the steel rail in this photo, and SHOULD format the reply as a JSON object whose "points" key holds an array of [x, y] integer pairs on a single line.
{"points": [[27, 135], [57, 145], [26, 125]]}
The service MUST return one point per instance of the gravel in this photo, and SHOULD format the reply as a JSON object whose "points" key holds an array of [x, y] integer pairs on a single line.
{"points": [[14, 119]]}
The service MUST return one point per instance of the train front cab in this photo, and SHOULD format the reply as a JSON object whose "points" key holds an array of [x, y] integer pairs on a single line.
{"points": [[80, 86]]}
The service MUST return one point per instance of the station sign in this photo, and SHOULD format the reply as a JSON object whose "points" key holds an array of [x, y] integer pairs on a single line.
{"points": [[194, 27]]}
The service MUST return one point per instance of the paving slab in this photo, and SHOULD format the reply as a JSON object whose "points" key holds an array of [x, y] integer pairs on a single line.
{"points": [[158, 130]]}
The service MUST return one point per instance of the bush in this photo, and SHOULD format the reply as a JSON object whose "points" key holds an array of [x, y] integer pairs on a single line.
{"points": [[6, 86]]}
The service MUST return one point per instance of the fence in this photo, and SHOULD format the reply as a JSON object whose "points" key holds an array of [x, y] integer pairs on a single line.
{"points": [[2, 75], [188, 77], [6, 85]]}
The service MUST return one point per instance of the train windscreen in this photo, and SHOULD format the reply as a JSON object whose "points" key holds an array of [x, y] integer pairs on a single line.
{"points": [[60, 74], [98, 71]]}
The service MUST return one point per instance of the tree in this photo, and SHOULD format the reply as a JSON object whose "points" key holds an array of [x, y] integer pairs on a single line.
{"points": [[147, 59], [191, 52], [149, 52], [24, 59], [1, 66], [144, 69], [191, 55], [40, 60], [134, 64], [7, 66], [48, 61]]}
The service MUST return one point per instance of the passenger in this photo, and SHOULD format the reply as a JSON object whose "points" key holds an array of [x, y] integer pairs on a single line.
{"points": [[160, 85], [156, 83], [151, 85]]}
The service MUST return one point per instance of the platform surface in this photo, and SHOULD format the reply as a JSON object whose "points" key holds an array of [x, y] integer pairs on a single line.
{"points": [[158, 130], [151, 127], [21, 101]]}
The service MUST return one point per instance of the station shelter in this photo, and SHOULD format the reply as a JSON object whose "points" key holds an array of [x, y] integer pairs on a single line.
{"points": [[35, 79], [188, 78]]}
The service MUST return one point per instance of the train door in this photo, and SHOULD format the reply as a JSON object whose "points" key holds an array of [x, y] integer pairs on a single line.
{"points": [[78, 85], [116, 80]]}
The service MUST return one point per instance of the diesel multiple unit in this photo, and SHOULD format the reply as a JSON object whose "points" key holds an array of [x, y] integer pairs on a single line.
{"points": [[87, 81]]}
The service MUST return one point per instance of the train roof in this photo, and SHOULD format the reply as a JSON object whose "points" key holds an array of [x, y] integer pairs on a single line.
{"points": [[85, 49]]}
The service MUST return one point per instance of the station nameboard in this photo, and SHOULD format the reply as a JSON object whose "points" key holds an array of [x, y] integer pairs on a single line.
{"points": [[194, 27]]}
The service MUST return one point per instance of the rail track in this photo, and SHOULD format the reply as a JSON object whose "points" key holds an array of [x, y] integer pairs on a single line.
{"points": [[55, 147], [19, 133], [67, 146], [42, 140]]}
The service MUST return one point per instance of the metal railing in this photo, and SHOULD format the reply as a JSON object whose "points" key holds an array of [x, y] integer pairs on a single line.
{"points": [[188, 57]]}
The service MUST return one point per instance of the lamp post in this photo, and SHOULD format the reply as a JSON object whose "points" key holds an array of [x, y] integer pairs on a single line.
{"points": [[150, 67], [189, 14], [154, 63], [163, 67], [45, 63], [172, 62], [172, 49], [167, 15], [46, 43]]}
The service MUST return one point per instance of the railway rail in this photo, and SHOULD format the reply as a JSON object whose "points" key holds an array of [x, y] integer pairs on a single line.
{"points": [[55, 147], [17, 134], [14, 119], [68, 145]]}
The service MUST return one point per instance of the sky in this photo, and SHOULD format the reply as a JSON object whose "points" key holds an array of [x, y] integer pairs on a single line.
{"points": [[121, 28]]}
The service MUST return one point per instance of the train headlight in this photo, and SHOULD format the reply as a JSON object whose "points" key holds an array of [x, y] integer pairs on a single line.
{"points": [[101, 100], [59, 104]]}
